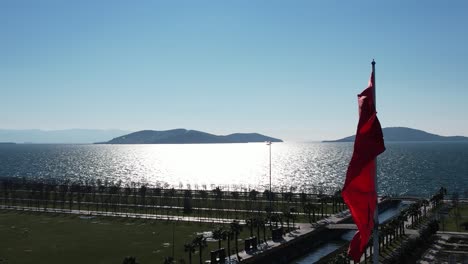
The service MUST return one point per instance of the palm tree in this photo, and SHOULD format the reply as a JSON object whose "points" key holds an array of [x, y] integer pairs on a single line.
{"points": [[253, 194], [142, 193], [130, 260], [438, 197], [43, 193], [54, 189], [336, 200], [127, 192], [425, 203], [381, 240], [48, 189], [308, 208], [228, 234], [304, 198], [413, 211], [257, 223], [386, 233], [402, 217], [168, 260], [217, 193], [253, 197], [5, 190], [269, 213], [250, 223], [101, 189], [264, 222], [288, 196], [236, 229], [260, 223], [275, 217], [323, 201], [190, 248], [315, 209], [235, 196], [341, 203], [187, 202], [218, 196], [63, 192], [270, 196], [71, 190], [219, 234], [200, 242], [288, 216], [114, 190], [204, 196], [170, 196], [157, 192], [293, 212]]}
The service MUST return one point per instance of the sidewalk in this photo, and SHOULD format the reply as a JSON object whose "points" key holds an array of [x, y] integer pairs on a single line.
{"points": [[303, 230], [128, 215]]}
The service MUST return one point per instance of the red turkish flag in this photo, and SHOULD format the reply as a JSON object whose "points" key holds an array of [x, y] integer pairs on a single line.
{"points": [[359, 189]]}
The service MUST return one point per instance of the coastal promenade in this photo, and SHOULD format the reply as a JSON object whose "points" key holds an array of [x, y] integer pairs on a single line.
{"points": [[303, 238], [158, 207], [128, 215], [308, 233], [303, 232]]}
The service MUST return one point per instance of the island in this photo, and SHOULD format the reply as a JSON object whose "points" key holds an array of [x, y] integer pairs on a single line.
{"points": [[407, 134], [184, 136]]}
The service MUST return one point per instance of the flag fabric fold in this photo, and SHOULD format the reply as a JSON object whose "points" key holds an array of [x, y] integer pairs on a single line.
{"points": [[359, 191]]}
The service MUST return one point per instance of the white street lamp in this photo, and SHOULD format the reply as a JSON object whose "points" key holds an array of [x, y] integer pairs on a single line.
{"points": [[269, 145]]}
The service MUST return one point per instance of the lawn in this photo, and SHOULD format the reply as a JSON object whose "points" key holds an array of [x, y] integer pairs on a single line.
{"points": [[56, 238], [450, 221]]}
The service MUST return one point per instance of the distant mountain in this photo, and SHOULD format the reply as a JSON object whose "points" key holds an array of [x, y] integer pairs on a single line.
{"points": [[184, 136], [58, 136], [407, 134]]}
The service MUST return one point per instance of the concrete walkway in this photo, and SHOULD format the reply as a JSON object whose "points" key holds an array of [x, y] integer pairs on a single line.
{"points": [[302, 230], [128, 215], [158, 207]]}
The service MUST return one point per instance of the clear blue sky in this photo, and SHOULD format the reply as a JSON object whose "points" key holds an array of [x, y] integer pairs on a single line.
{"points": [[290, 69]]}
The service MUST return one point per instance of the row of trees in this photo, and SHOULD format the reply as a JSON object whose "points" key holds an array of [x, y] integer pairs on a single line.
{"points": [[148, 200], [415, 216], [220, 233]]}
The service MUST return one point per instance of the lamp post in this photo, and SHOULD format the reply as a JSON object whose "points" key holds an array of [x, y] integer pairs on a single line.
{"points": [[269, 145]]}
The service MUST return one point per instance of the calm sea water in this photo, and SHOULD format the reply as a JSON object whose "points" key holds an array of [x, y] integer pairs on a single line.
{"points": [[404, 169]]}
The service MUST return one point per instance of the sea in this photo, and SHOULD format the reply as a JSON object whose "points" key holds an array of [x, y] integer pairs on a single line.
{"points": [[404, 169]]}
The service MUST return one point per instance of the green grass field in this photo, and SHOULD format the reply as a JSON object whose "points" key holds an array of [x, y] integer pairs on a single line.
{"points": [[54, 238], [451, 223]]}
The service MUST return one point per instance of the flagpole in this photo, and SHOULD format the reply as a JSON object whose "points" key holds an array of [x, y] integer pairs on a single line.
{"points": [[375, 256]]}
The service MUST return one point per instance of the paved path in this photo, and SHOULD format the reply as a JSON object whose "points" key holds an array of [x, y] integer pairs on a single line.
{"points": [[303, 229], [129, 215], [342, 226], [150, 206]]}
